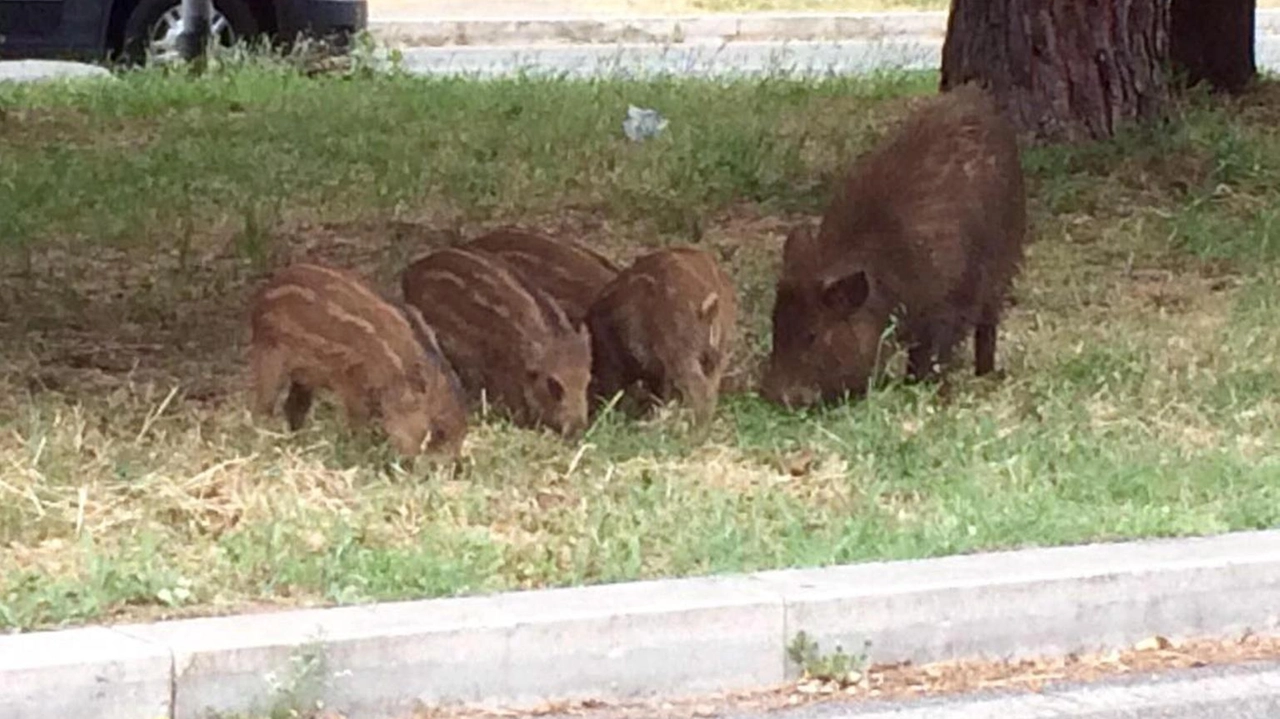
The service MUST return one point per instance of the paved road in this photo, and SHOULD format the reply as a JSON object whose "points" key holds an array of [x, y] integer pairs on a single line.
{"points": [[522, 9], [749, 58], [739, 58], [1231, 692]]}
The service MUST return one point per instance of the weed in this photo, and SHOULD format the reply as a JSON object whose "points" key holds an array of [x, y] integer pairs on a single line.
{"points": [[299, 694], [838, 667]]}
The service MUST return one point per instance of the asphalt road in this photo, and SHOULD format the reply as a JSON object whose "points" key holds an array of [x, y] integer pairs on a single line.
{"points": [[739, 58], [751, 58], [1250, 691]]}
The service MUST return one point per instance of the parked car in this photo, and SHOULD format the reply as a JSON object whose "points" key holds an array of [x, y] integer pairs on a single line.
{"points": [[94, 29]]}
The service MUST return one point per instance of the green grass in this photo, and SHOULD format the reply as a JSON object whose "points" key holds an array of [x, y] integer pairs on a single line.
{"points": [[1141, 398]]}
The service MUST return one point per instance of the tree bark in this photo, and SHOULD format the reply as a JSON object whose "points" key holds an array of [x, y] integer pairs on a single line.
{"points": [[1063, 70], [1212, 40]]}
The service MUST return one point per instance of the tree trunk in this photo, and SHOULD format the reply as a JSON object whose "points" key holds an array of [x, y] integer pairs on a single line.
{"points": [[1212, 40], [1063, 70]]}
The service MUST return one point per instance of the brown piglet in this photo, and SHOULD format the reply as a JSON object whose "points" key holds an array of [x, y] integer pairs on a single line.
{"points": [[319, 327], [668, 323], [572, 274], [925, 236], [504, 336]]}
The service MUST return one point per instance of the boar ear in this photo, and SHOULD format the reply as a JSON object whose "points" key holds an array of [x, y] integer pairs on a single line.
{"points": [[422, 331], [799, 239], [417, 379], [709, 305], [555, 389], [846, 293], [707, 313]]}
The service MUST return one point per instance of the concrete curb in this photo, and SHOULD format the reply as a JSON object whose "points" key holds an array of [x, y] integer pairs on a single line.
{"points": [[667, 637], [51, 70], [436, 32]]}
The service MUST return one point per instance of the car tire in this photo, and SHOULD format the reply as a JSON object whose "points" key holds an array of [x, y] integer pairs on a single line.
{"points": [[138, 27]]}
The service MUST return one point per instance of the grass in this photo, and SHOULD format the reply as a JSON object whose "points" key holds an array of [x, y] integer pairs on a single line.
{"points": [[1141, 397]]}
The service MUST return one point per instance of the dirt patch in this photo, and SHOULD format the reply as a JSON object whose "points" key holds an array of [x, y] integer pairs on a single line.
{"points": [[85, 324]]}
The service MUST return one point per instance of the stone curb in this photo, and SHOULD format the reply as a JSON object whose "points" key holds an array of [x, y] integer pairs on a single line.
{"points": [[436, 32], [666, 637], [51, 70]]}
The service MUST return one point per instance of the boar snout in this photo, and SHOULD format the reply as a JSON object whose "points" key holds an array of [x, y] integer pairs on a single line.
{"points": [[445, 439], [572, 428], [704, 406], [697, 392], [572, 419], [406, 438], [414, 434], [788, 395]]}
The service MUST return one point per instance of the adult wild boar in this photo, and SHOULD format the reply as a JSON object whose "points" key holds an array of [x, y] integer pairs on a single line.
{"points": [[928, 228]]}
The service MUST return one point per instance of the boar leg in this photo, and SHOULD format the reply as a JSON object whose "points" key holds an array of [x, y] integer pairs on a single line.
{"points": [[984, 343], [607, 378], [267, 366], [933, 349], [355, 403], [603, 386], [920, 362], [297, 404], [984, 349]]}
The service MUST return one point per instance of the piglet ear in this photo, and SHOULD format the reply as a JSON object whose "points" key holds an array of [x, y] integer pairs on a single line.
{"points": [[709, 305], [847, 293], [417, 376], [555, 389]]}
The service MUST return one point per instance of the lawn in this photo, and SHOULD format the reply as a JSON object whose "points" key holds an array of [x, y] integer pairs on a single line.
{"points": [[1141, 396]]}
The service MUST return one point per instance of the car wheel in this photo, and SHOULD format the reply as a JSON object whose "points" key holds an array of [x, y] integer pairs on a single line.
{"points": [[154, 25]]}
